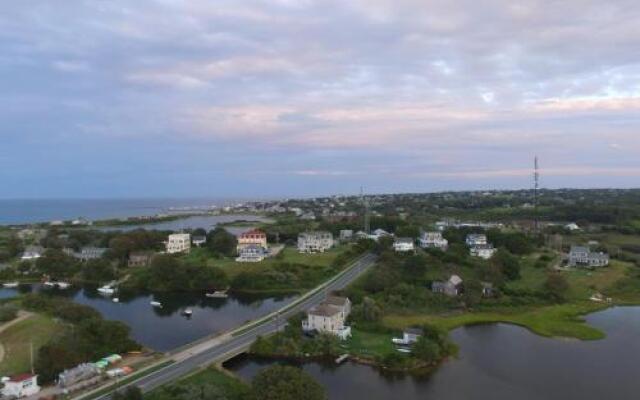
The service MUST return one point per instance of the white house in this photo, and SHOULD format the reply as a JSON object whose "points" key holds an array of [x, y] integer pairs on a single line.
{"points": [[329, 317], [20, 386], [252, 253], [32, 253], [485, 251], [476, 240], [346, 235], [433, 240], [314, 242], [409, 336], [379, 233], [178, 243], [402, 245], [572, 227], [582, 256]]}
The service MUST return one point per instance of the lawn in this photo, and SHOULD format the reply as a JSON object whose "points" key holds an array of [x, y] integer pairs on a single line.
{"points": [[16, 340], [563, 320], [288, 254], [368, 344], [584, 282]]}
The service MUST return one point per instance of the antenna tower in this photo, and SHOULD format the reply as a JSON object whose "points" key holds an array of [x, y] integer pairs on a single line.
{"points": [[536, 188]]}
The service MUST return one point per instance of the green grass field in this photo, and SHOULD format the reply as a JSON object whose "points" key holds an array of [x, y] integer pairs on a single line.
{"points": [[289, 255], [563, 320], [369, 344], [16, 340]]}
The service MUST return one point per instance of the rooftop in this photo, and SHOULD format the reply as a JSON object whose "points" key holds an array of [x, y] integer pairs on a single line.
{"points": [[324, 310]]}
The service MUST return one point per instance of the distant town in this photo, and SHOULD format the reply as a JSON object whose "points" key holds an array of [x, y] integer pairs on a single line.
{"points": [[377, 280]]}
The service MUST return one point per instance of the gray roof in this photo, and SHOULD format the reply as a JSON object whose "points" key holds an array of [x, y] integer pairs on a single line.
{"points": [[580, 249], [336, 301], [324, 310]]}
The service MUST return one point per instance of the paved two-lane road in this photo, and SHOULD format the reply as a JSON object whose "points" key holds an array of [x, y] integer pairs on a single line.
{"points": [[220, 349]]}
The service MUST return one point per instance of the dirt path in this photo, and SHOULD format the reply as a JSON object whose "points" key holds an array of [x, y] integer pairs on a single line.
{"points": [[22, 315]]}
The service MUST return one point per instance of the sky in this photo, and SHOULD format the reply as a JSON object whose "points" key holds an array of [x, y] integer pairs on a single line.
{"points": [[227, 98]]}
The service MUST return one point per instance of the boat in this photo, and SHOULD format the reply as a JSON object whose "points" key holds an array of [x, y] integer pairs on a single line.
{"points": [[156, 304], [11, 285], [187, 313], [115, 300], [342, 358], [106, 289], [49, 284], [63, 285], [218, 294]]}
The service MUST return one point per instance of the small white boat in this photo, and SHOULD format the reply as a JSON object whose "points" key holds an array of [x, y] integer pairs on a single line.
{"points": [[218, 294], [403, 350], [188, 312], [49, 284], [156, 304], [63, 285], [115, 300], [106, 290], [11, 285]]}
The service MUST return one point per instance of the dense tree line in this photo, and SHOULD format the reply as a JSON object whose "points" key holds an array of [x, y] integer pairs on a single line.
{"points": [[88, 338]]}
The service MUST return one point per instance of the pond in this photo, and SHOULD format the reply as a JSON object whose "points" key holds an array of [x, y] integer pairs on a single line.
{"points": [[206, 222], [166, 328], [501, 361]]}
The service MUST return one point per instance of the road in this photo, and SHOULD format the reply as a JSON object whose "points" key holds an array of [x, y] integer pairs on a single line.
{"points": [[220, 349]]}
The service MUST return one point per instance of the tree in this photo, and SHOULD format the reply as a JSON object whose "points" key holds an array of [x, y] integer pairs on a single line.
{"points": [[369, 310], [556, 285], [98, 270], [508, 264], [426, 350], [222, 242], [130, 393], [56, 264], [286, 383], [8, 312]]}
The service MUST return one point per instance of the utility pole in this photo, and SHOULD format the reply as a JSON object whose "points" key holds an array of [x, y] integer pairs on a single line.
{"points": [[31, 348], [536, 187]]}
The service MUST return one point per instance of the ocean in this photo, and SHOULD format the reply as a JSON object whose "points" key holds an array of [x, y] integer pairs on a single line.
{"points": [[46, 210]]}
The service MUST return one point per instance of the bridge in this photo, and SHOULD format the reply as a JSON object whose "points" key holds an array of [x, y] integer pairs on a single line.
{"points": [[220, 348]]}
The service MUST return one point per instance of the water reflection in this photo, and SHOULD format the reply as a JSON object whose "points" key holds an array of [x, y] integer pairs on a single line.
{"points": [[502, 362], [165, 328]]}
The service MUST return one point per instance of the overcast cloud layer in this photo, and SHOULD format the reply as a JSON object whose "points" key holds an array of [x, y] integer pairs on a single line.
{"points": [[235, 98]]}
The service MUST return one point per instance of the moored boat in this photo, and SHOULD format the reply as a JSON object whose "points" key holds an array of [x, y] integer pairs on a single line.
{"points": [[106, 289], [218, 294], [156, 304], [11, 285]]}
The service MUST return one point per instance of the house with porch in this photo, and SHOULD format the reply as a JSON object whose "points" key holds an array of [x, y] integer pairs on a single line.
{"points": [[329, 317]]}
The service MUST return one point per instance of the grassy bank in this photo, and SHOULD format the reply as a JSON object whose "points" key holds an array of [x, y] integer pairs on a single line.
{"points": [[565, 320], [16, 341], [226, 385]]}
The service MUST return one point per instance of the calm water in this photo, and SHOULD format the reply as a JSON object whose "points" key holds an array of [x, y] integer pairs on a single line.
{"points": [[166, 328], [504, 362], [206, 222], [29, 211]]}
